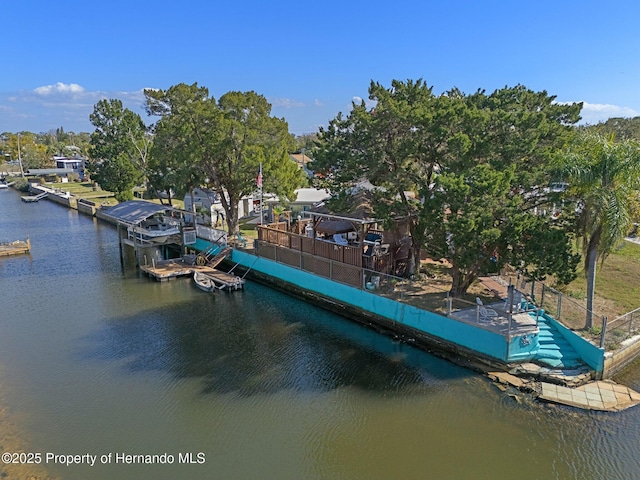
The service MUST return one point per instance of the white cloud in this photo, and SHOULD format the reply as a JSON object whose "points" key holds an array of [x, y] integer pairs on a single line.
{"points": [[318, 103], [285, 103], [72, 88], [593, 113], [49, 106], [599, 112]]}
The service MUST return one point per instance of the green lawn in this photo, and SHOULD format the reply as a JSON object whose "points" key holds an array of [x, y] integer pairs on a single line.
{"points": [[617, 282]]}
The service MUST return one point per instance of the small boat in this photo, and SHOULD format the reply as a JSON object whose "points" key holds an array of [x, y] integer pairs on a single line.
{"points": [[203, 282]]}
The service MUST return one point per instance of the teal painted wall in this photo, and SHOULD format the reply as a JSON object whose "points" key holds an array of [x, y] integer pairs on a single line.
{"points": [[477, 339], [523, 348], [591, 355]]}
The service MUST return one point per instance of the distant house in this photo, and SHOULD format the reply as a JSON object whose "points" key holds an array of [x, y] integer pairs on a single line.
{"points": [[306, 199], [76, 164], [206, 203], [302, 160]]}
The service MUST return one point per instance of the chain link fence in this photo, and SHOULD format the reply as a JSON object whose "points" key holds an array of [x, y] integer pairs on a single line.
{"points": [[561, 307], [622, 328]]}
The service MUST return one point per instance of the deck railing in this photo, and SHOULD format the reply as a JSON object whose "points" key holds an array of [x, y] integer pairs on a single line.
{"points": [[349, 254], [325, 267]]}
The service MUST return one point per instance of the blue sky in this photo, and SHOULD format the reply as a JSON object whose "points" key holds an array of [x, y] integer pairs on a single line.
{"points": [[309, 59]]}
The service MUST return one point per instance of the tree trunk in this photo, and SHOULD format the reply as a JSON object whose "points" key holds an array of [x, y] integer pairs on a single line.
{"points": [[460, 282], [231, 211], [590, 267]]}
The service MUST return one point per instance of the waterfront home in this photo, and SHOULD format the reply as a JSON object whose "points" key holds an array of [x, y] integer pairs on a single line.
{"points": [[305, 199], [76, 164], [206, 205]]}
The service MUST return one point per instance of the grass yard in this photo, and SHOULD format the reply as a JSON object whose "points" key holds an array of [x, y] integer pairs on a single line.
{"points": [[617, 282], [85, 190]]}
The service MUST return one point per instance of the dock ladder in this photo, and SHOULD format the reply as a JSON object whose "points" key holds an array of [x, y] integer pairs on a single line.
{"points": [[212, 255]]}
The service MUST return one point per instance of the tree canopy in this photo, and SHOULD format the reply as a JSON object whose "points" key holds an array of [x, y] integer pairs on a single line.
{"points": [[476, 163], [222, 144], [119, 146]]}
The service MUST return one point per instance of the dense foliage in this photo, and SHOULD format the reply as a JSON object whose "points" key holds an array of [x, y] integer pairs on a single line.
{"points": [[118, 148], [478, 164], [220, 144]]}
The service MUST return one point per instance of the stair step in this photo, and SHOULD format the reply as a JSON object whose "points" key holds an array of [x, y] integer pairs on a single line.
{"points": [[549, 354], [551, 341], [546, 336], [553, 363], [555, 351]]}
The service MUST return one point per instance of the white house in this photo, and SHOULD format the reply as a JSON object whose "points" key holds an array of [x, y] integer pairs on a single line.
{"points": [[306, 198], [76, 164], [206, 203]]}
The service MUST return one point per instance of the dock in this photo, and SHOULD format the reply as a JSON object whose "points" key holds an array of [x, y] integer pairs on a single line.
{"points": [[15, 248], [600, 395], [34, 198], [169, 269]]}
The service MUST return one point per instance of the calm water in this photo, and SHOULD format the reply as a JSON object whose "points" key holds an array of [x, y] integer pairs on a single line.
{"points": [[96, 359]]}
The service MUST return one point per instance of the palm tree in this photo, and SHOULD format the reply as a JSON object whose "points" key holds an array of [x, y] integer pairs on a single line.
{"points": [[604, 177]]}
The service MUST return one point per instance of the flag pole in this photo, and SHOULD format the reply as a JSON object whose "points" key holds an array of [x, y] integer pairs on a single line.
{"points": [[260, 193]]}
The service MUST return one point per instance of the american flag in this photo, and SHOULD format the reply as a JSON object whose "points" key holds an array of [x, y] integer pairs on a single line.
{"points": [[259, 179]]}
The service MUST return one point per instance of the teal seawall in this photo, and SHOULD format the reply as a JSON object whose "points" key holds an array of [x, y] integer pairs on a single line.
{"points": [[449, 334]]}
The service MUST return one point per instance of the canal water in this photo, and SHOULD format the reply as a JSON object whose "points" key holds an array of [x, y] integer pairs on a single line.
{"points": [[96, 359]]}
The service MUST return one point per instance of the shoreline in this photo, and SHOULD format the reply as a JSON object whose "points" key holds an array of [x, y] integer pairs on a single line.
{"points": [[13, 439]]}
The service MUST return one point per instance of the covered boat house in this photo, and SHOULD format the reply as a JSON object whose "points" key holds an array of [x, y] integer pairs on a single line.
{"points": [[154, 231]]}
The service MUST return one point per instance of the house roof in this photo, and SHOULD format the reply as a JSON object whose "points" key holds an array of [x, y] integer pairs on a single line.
{"points": [[49, 171], [311, 195], [134, 211]]}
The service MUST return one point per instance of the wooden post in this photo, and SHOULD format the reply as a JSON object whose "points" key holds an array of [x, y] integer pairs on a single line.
{"points": [[603, 331], [533, 290], [559, 305], [120, 246]]}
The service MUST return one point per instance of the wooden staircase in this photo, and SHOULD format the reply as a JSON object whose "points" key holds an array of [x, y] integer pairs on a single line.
{"points": [[212, 256]]}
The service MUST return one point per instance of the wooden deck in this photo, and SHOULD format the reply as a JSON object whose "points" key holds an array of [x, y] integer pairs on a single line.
{"points": [[15, 248], [168, 269]]}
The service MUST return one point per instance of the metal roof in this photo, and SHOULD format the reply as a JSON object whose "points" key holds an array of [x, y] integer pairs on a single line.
{"points": [[134, 211], [49, 171]]}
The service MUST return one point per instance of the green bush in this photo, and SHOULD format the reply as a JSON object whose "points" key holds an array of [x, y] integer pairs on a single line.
{"points": [[22, 185]]}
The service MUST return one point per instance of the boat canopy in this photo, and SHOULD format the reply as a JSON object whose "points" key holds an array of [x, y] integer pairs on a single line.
{"points": [[135, 211]]}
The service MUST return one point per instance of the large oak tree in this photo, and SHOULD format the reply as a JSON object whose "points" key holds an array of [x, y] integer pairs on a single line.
{"points": [[476, 162], [221, 144]]}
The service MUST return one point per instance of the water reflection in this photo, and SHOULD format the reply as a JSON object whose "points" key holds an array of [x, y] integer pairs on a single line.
{"points": [[270, 348]]}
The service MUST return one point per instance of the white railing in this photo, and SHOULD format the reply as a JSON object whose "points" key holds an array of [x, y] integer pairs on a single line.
{"points": [[213, 235]]}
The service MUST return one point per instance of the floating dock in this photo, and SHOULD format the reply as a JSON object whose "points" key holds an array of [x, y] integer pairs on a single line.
{"points": [[168, 269], [15, 248], [34, 198]]}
